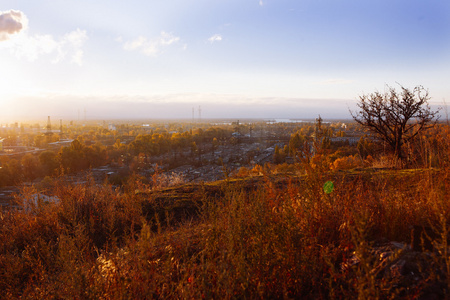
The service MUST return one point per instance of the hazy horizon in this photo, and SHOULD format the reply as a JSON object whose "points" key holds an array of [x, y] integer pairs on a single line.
{"points": [[230, 107], [234, 59]]}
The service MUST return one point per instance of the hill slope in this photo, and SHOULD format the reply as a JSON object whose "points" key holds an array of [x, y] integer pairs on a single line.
{"points": [[272, 236]]}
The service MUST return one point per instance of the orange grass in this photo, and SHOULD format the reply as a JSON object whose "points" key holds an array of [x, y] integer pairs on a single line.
{"points": [[268, 237]]}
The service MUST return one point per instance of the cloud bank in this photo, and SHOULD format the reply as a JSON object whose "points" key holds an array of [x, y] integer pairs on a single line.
{"points": [[32, 47]]}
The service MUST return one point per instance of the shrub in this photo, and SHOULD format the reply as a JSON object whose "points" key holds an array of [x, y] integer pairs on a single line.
{"points": [[348, 162]]}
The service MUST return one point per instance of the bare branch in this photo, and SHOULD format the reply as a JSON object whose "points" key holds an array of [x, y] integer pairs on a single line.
{"points": [[396, 117]]}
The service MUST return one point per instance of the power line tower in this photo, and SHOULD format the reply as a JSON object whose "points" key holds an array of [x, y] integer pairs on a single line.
{"points": [[199, 114], [318, 129], [49, 127]]}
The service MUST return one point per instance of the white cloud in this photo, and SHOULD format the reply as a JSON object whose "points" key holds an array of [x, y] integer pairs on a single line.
{"points": [[71, 46], [77, 57], [32, 47], [152, 47], [11, 22], [76, 38], [168, 38], [68, 47], [136, 44], [261, 3], [215, 38]]}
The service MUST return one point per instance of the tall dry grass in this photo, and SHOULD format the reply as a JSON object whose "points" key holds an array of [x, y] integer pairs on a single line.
{"points": [[268, 237]]}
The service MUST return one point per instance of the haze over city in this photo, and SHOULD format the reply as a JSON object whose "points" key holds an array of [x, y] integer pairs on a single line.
{"points": [[235, 59]]}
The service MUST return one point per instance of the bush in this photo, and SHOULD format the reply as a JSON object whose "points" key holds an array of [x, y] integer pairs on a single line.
{"points": [[348, 162]]}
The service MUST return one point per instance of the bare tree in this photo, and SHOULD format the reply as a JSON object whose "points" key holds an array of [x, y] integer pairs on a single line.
{"points": [[396, 117]]}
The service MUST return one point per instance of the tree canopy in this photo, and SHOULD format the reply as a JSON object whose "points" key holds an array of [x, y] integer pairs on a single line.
{"points": [[396, 117]]}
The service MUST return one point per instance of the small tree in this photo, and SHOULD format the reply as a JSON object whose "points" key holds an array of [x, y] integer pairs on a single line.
{"points": [[396, 117]]}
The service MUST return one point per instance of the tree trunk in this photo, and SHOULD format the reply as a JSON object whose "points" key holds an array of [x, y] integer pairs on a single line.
{"points": [[398, 147]]}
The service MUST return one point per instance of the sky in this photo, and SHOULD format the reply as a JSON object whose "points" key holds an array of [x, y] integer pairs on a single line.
{"points": [[109, 59]]}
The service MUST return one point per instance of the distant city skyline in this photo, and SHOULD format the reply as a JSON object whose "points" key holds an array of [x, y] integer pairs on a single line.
{"points": [[236, 58]]}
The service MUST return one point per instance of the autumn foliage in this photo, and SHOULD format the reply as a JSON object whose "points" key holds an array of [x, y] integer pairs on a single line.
{"points": [[268, 232]]}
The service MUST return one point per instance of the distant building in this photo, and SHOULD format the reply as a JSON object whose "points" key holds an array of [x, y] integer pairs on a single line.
{"points": [[352, 140], [36, 201]]}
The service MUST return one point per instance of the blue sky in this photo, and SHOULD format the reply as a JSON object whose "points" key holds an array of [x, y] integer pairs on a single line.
{"points": [[246, 58]]}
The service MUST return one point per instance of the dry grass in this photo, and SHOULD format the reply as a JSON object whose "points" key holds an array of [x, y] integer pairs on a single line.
{"points": [[266, 237]]}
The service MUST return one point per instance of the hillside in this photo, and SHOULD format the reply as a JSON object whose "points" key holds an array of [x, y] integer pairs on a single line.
{"points": [[270, 236]]}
